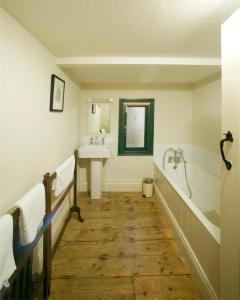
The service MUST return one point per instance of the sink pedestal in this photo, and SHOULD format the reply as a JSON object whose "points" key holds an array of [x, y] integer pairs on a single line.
{"points": [[96, 153], [96, 177]]}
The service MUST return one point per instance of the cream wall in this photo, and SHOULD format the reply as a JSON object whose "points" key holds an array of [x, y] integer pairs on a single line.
{"points": [[206, 130], [33, 140], [173, 124]]}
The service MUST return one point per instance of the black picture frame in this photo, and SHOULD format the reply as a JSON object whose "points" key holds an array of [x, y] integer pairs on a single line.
{"points": [[57, 94]]}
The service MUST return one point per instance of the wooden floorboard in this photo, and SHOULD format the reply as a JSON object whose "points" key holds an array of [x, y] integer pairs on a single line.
{"points": [[109, 288], [124, 250], [118, 266], [108, 234], [140, 222], [165, 287], [108, 249]]}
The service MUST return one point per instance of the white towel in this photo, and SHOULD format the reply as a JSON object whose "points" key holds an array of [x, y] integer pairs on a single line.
{"points": [[32, 207], [65, 175], [7, 263]]}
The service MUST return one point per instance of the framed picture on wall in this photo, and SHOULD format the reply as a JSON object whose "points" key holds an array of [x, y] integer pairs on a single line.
{"points": [[57, 94]]}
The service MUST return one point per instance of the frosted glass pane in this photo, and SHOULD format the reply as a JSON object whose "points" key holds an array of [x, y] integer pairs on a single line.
{"points": [[135, 127]]}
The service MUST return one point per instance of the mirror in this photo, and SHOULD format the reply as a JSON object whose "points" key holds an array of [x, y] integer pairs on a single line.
{"points": [[99, 118]]}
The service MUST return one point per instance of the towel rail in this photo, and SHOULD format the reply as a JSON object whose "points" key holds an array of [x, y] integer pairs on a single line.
{"points": [[23, 284], [50, 213]]}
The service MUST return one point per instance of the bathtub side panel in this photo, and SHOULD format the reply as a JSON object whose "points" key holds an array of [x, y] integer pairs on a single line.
{"points": [[204, 248]]}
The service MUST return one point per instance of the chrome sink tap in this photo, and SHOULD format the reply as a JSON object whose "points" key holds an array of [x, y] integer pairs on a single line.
{"points": [[96, 142], [91, 140]]}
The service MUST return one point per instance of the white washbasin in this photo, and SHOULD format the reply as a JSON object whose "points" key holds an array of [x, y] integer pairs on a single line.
{"points": [[94, 151]]}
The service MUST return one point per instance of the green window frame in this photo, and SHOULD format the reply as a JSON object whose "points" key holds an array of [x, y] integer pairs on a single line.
{"points": [[148, 131]]}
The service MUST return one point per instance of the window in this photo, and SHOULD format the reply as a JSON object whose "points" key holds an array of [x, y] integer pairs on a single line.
{"points": [[136, 125]]}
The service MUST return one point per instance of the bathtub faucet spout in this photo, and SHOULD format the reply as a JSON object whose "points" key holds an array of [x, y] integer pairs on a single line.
{"points": [[177, 158]]}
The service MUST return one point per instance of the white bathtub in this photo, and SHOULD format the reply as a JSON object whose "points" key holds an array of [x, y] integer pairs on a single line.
{"points": [[205, 189], [192, 218]]}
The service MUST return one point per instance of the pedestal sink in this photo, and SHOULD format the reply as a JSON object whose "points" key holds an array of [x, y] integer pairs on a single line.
{"points": [[96, 153]]}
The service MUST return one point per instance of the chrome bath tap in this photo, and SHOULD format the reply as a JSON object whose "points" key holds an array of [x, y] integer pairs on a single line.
{"points": [[177, 158]]}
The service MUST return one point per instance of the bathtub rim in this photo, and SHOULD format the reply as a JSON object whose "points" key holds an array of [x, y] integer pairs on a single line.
{"points": [[212, 229]]}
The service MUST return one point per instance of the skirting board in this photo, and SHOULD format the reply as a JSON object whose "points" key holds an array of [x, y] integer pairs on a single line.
{"points": [[198, 274], [114, 186]]}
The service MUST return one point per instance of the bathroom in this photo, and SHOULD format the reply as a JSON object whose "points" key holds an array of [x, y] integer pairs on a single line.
{"points": [[193, 83]]}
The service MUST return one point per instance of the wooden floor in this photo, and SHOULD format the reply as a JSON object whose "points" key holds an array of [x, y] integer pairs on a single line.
{"points": [[123, 251]]}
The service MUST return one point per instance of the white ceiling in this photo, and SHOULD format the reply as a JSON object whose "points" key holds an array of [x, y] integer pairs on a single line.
{"points": [[181, 28], [177, 30]]}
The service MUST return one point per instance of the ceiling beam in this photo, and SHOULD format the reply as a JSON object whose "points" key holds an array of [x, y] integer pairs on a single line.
{"points": [[207, 80], [68, 62], [136, 86]]}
